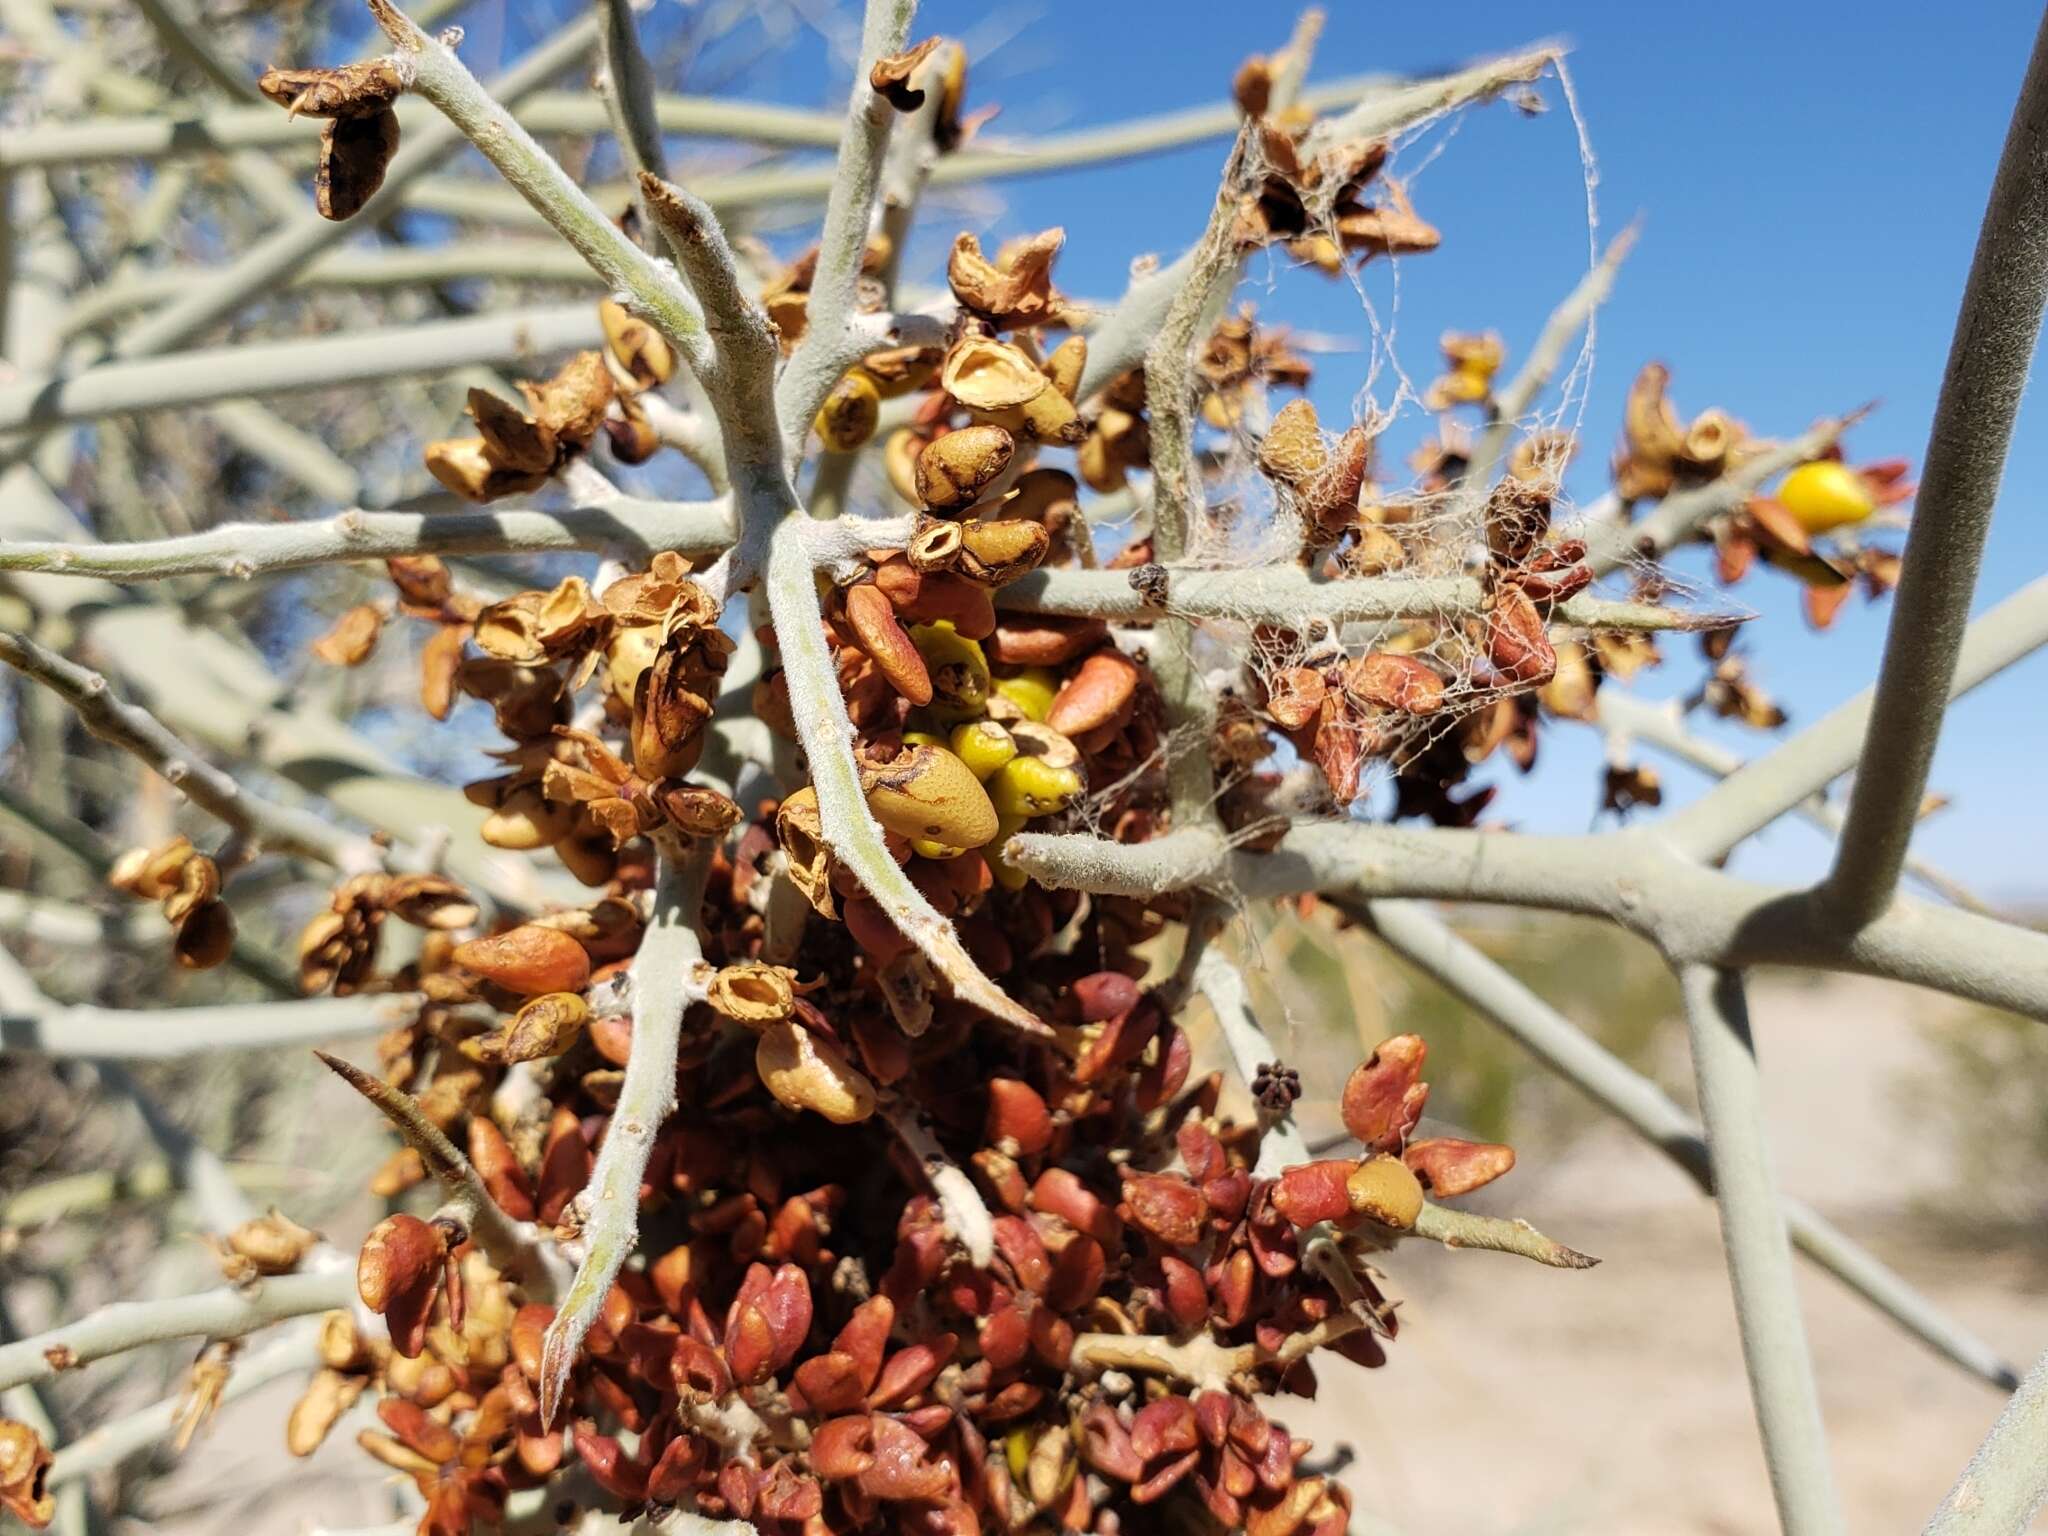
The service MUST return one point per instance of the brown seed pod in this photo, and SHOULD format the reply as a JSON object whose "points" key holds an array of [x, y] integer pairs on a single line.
{"points": [[1292, 450], [805, 1072], [996, 553], [273, 1243], [881, 634], [327, 1397], [354, 152], [801, 830], [529, 960], [1387, 680], [752, 993], [935, 546], [953, 469], [24, 1470], [1100, 689]]}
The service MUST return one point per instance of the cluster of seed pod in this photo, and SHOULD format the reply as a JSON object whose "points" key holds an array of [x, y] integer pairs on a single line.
{"points": [[186, 883]]}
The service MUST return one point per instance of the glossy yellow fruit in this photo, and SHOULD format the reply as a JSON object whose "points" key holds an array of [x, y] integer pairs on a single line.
{"points": [[984, 746], [1031, 786], [1825, 495], [1031, 690], [959, 672]]}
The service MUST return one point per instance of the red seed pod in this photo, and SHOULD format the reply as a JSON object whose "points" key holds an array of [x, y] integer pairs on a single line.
{"points": [[1387, 680], [1002, 1179], [1187, 1298], [1232, 1288], [900, 1472], [1450, 1167], [1311, 1192], [843, 1447], [1076, 1274], [1019, 1244], [1104, 995], [1229, 1194], [1167, 1207], [1097, 693], [1200, 1152], [607, 1462], [675, 1471], [397, 1273], [786, 1494], [910, 1370], [700, 1373], [1005, 1337], [1384, 1095], [418, 1430], [496, 1164], [866, 1337], [830, 1383], [1167, 1072], [1164, 1427], [1060, 1192], [529, 960], [750, 1344], [1106, 1445], [1052, 1338], [737, 1483], [1018, 1120], [564, 1166]]}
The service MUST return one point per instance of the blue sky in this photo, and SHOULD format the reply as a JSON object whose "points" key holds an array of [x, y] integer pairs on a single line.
{"points": [[1810, 178]]}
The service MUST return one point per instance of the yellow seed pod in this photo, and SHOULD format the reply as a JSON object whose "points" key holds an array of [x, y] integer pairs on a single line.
{"points": [[1031, 786], [805, 1072], [1384, 1189], [1017, 1452], [1825, 495], [959, 671], [851, 413], [923, 739], [1031, 690], [1004, 873], [925, 848], [899, 458], [984, 746], [927, 792]]}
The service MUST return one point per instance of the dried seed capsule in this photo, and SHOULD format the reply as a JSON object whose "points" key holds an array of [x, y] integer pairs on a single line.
{"points": [[751, 993], [997, 553], [927, 792], [273, 1243], [637, 347], [935, 546], [806, 1072], [851, 413], [952, 471], [800, 829], [327, 1397]]}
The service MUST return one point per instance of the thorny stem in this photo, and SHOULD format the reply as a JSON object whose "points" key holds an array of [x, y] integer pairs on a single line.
{"points": [[627, 85], [666, 981], [652, 289], [1759, 1256], [514, 1247], [273, 260], [1424, 939], [227, 1313], [967, 1218], [1996, 329], [849, 827], [1518, 396], [1497, 1234], [140, 734], [291, 1350], [1624, 719]]}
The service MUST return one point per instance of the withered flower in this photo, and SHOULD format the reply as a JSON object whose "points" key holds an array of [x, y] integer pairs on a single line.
{"points": [[361, 134], [353, 637], [1013, 292], [892, 75], [24, 1467], [517, 450]]}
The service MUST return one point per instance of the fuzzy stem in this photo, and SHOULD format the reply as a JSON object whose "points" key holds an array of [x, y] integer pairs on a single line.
{"points": [[849, 827], [820, 357], [2006, 1482], [1759, 1255], [139, 733], [163, 1034], [1288, 596], [665, 983], [1630, 878], [967, 1218], [227, 1313], [1496, 1234], [1996, 328], [625, 526]]}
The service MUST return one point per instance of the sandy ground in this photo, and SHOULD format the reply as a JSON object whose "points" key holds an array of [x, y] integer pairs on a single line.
{"points": [[1523, 1400]]}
